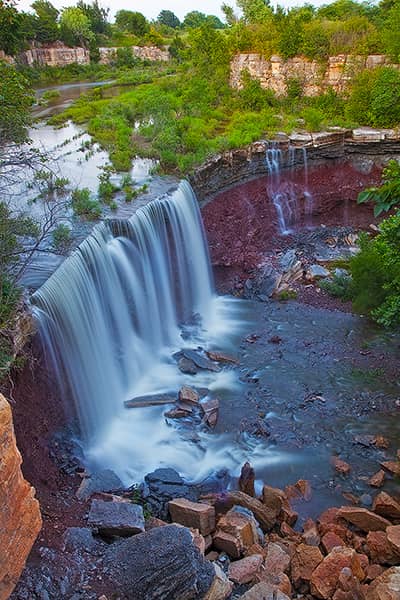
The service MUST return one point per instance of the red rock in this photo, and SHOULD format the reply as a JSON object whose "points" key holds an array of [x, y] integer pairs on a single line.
{"points": [[325, 577], [274, 498], [329, 516], [210, 409], [393, 536], [378, 479], [264, 591], [245, 570], [193, 515], [310, 533], [276, 560], [364, 561], [236, 532], [386, 586], [280, 581], [288, 532], [381, 442], [188, 395], [221, 587], [363, 519], [380, 549], [304, 562], [392, 466], [221, 357], [246, 480], [340, 465], [153, 522], [262, 513], [348, 587], [177, 413], [386, 506], [330, 541], [20, 519], [373, 572], [225, 542], [301, 489]]}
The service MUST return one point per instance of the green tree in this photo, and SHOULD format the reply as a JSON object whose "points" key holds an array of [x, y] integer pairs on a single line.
{"points": [[75, 27], [168, 18], [96, 14], [229, 13], [255, 11], [133, 22], [10, 24], [16, 100], [193, 19], [45, 23], [375, 97], [343, 9], [390, 32]]}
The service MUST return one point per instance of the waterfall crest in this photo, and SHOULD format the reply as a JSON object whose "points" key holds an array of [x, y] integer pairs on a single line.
{"points": [[119, 300]]}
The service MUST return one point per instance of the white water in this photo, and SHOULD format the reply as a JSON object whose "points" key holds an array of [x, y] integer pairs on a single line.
{"points": [[110, 319], [284, 195]]}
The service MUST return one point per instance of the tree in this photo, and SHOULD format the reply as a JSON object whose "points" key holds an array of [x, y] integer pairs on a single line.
{"points": [[230, 17], [168, 18], [133, 22], [16, 102], [194, 19], [10, 22], [215, 22], [255, 11], [75, 27], [45, 23], [390, 32], [96, 14]]}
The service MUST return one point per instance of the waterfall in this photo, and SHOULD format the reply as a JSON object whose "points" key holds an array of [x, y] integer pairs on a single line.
{"points": [[108, 313], [282, 191]]}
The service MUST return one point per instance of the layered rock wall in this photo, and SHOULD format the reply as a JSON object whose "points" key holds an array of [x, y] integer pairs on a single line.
{"points": [[315, 77], [20, 519], [143, 52], [56, 55]]}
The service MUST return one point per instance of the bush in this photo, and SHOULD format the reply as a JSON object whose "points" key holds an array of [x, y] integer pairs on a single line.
{"points": [[62, 237], [375, 98], [84, 206]]}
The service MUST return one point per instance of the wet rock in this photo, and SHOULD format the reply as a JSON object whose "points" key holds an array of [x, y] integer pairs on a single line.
{"points": [[304, 562], [210, 409], [161, 564], [378, 479], [199, 360], [315, 272], [393, 536], [187, 366], [221, 587], [380, 550], [325, 577], [116, 518], [193, 514], [246, 479], [177, 413], [164, 485], [300, 490], [363, 518], [381, 442], [392, 466], [245, 570], [274, 499], [386, 586], [340, 465], [262, 513], [221, 357], [153, 400], [235, 533], [188, 395], [101, 481], [386, 506], [264, 591]]}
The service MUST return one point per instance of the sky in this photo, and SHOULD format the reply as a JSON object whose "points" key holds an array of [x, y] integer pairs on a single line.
{"points": [[152, 8]]}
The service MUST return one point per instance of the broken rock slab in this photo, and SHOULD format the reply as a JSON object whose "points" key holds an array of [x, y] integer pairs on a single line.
{"points": [[100, 481], [386, 586], [363, 519], [193, 514], [116, 518]]}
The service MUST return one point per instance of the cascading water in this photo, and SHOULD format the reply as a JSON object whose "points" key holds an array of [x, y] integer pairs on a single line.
{"points": [[284, 195], [110, 319]]}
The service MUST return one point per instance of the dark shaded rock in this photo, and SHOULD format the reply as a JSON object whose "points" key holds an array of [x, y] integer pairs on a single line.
{"points": [[164, 485], [210, 410], [246, 479], [80, 539], [162, 564], [200, 361], [102, 481], [153, 400], [187, 366], [116, 518]]}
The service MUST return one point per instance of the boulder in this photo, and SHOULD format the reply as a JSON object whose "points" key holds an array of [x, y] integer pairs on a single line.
{"points": [[380, 550], [274, 499], [187, 366], [164, 485], [221, 357], [188, 395], [392, 466], [393, 536], [264, 515], [378, 479], [210, 410], [363, 519], [310, 533], [340, 465], [116, 518], [202, 362], [236, 532], [315, 272], [178, 413], [264, 591], [246, 480], [193, 514], [152, 400], [325, 577], [386, 506], [221, 587], [162, 564], [100, 481], [330, 541], [348, 587], [304, 562], [276, 560], [245, 570], [386, 586]]}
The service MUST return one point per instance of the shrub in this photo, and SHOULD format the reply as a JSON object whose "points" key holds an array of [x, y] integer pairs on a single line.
{"points": [[84, 206], [375, 98], [62, 237]]}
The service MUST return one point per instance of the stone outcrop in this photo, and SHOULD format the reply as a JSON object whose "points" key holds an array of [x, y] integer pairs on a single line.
{"points": [[55, 55], [276, 73], [20, 519], [152, 53]]}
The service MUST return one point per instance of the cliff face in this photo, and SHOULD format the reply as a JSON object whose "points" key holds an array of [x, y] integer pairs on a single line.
{"points": [[143, 52], [275, 73], [20, 519]]}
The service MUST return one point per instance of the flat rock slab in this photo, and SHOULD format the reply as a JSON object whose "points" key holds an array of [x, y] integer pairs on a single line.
{"points": [[116, 518], [193, 514], [102, 481], [200, 361], [154, 400], [363, 519]]}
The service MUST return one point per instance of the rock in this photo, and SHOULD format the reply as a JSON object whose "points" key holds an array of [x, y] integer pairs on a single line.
{"points": [[392, 466], [363, 518], [330, 541], [381, 442], [177, 413], [228, 543], [200, 361], [188, 395], [325, 577], [101, 481], [221, 587], [221, 357], [187, 366], [373, 572], [236, 532], [274, 499], [264, 591], [340, 465], [380, 550], [153, 400], [193, 514], [393, 536], [262, 513], [315, 272], [348, 587], [116, 518], [386, 506], [210, 410], [276, 560], [246, 480], [164, 485], [160, 564], [378, 479], [245, 570], [310, 533], [20, 519], [304, 562], [386, 586], [80, 539]]}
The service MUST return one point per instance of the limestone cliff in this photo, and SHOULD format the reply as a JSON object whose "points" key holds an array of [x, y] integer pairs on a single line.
{"points": [[20, 519]]}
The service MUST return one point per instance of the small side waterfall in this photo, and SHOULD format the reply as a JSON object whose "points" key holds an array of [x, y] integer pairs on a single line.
{"points": [[107, 314], [283, 193]]}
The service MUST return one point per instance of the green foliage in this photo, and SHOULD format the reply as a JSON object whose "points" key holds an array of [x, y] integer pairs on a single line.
{"points": [[255, 11], [45, 21], [84, 206], [168, 18], [10, 25], [387, 195], [62, 238], [16, 99], [97, 16], [253, 96], [131, 21], [106, 190], [375, 98], [340, 286], [75, 27], [286, 295]]}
